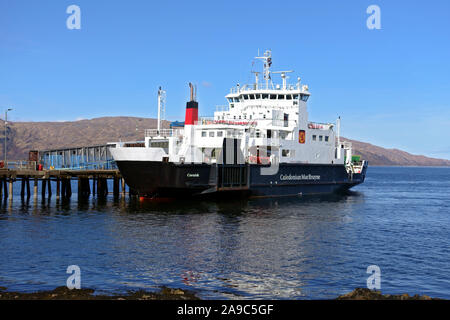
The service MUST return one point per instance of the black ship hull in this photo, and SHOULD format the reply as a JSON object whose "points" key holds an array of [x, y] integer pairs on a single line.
{"points": [[166, 179]]}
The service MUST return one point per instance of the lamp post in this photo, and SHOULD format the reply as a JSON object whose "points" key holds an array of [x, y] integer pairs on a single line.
{"points": [[6, 125]]}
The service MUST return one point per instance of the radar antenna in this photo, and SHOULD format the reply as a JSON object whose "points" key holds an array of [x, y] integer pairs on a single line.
{"points": [[283, 76]]}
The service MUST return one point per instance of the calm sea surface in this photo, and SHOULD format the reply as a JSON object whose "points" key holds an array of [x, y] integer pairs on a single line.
{"points": [[303, 248]]}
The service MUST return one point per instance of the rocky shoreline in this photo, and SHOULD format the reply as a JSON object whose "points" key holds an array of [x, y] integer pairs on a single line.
{"points": [[63, 293], [366, 294]]}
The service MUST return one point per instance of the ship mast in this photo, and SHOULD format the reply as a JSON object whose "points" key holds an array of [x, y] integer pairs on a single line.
{"points": [[161, 106], [267, 59]]}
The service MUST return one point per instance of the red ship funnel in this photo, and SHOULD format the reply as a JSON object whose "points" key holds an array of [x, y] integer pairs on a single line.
{"points": [[191, 109]]}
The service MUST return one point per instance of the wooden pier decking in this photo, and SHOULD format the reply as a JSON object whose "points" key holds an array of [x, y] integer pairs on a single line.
{"points": [[63, 179]]}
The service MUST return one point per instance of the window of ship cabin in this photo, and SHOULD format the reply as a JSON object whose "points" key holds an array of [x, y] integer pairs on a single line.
{"points": [[258, 133], [220, 133], [265, 96], [250, 117], [281, 97], [252, 97], [258, 96], [285, 153], [326, 138], [163, 145], [320, 138], [239, 117], [264, 116], [203, 133], [245, 96], [288, 97], [314, 137], [211, 134], [273, 96]]}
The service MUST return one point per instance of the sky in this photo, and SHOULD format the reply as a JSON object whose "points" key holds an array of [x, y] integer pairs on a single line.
{"points": [[390, 86]]}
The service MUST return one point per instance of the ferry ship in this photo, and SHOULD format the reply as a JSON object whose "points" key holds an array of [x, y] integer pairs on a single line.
{"points": [[261, 144]]}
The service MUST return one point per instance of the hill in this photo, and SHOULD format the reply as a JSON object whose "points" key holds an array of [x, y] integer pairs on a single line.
{"points": [[25, 136]]}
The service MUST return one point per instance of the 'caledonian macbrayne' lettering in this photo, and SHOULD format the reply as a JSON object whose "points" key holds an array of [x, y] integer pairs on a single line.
{"points": [[284, 177]]}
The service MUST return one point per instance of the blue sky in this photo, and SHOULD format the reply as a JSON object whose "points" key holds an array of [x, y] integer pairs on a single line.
{"points": [[390, 86]]}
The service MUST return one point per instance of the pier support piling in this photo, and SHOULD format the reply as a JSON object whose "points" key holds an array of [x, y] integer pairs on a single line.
{"points": [[43, 187], [35, 188], [116, 187], [123, 187], [58, 188], [11, 187], [22, 188], [27, 182]]}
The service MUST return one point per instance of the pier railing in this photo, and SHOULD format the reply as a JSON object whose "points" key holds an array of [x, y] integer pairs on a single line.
{"points": [[19, 165], [82, 158]]}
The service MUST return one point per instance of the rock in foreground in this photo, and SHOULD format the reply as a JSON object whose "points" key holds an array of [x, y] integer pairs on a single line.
{"points": [[63, 293], [367, 294]]}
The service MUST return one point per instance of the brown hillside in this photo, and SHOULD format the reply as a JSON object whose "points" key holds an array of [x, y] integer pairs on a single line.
{"points": [[25, 136]]}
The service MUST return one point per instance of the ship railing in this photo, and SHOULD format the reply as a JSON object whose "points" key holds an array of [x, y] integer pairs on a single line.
{"points": [[161, 133], [204, 120]]}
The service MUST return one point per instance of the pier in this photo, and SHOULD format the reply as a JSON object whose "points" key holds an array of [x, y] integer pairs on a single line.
{"points": [[91, 167]]}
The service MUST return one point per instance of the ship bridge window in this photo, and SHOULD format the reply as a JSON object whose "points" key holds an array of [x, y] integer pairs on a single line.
{"points": [[219, 133], [273, 96], [295, 96], [265, 96], [211, 134], [203, 133], [236, 99], [304, 97], [230, 99], [252, 97], [281, 97], [288, 97], [245, 96], [257, 96]]}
